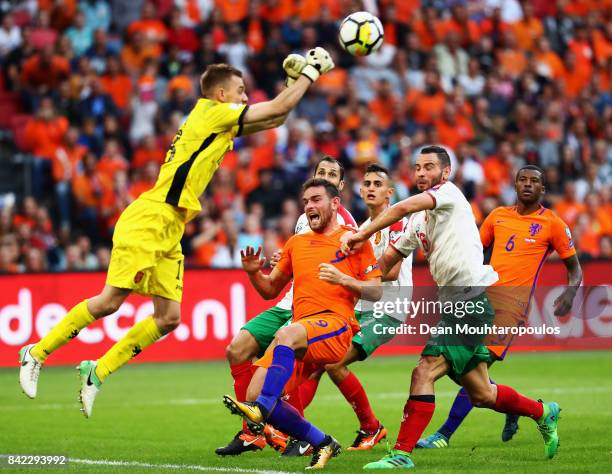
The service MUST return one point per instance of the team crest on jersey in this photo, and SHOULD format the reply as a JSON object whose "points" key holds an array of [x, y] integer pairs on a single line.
{"points": [[370, 268], [377, 237], [535, 229], [138, 277]]}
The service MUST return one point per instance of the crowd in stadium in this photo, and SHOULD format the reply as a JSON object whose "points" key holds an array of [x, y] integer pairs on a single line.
{"points": [[95, 90]]}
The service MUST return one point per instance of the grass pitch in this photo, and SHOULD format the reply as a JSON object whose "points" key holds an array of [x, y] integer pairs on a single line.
{"points": [[169, 418]]}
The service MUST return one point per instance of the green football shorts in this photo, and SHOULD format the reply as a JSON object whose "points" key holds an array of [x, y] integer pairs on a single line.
{"points": [[463, 352], [369, 338], [263, 327]]}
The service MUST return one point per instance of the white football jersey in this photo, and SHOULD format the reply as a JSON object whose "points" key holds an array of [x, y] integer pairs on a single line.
{"points": [[450, 240], [380, 241], [343, 216]]}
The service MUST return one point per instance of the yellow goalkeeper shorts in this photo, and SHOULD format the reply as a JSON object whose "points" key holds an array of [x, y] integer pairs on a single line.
{"points": [[147, 256]]}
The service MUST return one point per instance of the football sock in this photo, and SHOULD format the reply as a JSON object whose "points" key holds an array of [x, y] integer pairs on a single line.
{"points": [[241, 373], [142, 335], [510, 401], [460, 409], [417, 414], [308, 390], [287, 419], [354, 393], [277, 377], [68, 328]]}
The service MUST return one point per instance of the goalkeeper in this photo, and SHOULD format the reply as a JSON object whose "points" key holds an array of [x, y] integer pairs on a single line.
{"points": [[147, 257]]}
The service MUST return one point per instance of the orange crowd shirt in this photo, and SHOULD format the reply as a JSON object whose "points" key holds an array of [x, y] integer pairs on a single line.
{"points": [[521, 243], [301, 257]]}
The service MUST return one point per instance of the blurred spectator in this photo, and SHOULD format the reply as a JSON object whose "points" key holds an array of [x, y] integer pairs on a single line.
{"points": [[512, 59], [146, 178], [10, 35], [498, 170], [383, 104], [268, 194], [181, 36], [80, 34], [97, 103], [136, 52], [88, 189], [528, 30], [251, 235], [235, 51], [9, 254], [116, 83], [473, 82], [43, 72], [154, 32], [452, 59], [43, 134], [568, 208], [97, 14], [43, 35], [112, 160], [99, 52], [144, 106], [453, 127], [194, 12], [35, 261], [66, 164], [228, 255]]}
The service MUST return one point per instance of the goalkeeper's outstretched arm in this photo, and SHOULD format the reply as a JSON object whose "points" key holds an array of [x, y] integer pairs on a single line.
{"points": [[272, 113]]}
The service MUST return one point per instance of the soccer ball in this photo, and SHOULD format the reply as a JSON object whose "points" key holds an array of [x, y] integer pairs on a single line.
{"points": [[361, 33]]}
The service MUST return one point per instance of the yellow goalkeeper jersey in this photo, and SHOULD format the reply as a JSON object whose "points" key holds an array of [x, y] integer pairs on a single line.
{"points": [[195, 154]]}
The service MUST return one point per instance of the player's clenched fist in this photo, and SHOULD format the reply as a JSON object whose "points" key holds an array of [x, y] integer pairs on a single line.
{"points": [[350, 242], [318, 62], [293, 66], [251, 261], [330, 274]]}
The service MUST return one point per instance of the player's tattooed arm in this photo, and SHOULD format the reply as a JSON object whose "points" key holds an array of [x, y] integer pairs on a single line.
{"points": [[268, 286], [370, 290], [416, 203], [393, 272], [564, 302]]}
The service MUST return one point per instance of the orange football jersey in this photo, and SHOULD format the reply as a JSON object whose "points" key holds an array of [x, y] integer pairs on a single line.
{"points": [[301, 257], [521, 243]]}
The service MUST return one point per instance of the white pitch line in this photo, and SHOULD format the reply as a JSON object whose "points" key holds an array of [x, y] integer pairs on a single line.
{"points": [[191, 467], [326, 398]]}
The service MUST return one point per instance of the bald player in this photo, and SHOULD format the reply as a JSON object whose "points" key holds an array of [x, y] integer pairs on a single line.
{"points": [[522, 237]]}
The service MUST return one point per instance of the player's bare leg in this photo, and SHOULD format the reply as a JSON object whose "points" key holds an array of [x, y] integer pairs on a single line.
{"points": [[166, 317], [33, 356], [418, 412], [505, 399], [371, 431]]}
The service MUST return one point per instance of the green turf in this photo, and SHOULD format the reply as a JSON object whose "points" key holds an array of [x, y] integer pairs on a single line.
{"points": [[172, 413]]}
